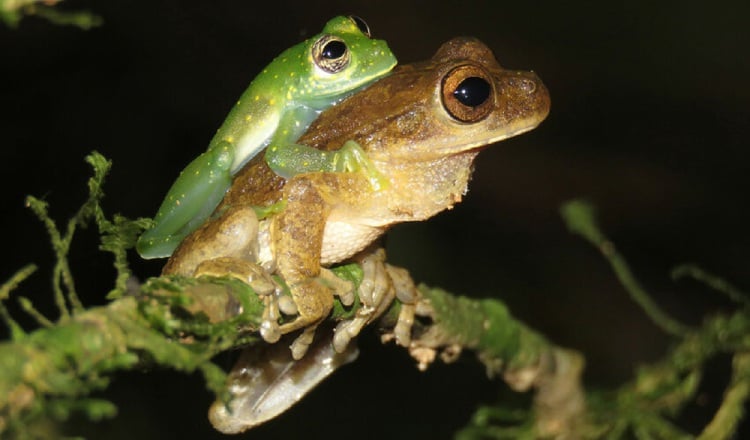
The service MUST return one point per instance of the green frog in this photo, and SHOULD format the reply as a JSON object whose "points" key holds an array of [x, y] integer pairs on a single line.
{"points": [[421, 128], [270, 115]]}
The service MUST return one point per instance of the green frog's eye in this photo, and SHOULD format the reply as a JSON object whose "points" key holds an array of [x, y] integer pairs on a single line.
{"points": [[362, 25], [331, 54], [467, 93]]}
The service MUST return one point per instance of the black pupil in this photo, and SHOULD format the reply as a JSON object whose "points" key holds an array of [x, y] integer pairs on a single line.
{"points": [[361, 24], [472, 91], [334, 50]]}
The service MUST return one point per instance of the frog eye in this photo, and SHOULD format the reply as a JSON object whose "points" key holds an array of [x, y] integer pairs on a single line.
{"points": [[467, 93], [331, 54], [362, 25]]}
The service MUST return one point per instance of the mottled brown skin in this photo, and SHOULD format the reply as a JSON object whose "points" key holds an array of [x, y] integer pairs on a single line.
{"points": [[412, 134]]}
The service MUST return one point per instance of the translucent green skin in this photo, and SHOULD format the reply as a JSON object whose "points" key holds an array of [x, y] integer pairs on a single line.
{"points": [[272, 113]]}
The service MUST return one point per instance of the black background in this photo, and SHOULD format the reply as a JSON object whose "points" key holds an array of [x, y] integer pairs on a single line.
{"points": [[649, 121]]}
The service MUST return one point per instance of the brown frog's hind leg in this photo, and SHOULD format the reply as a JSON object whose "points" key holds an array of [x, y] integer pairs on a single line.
{"points": [[228, 246], [297, 234]]}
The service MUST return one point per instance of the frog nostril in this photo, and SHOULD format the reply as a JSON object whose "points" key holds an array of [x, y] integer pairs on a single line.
{"points": [[524, 84]]}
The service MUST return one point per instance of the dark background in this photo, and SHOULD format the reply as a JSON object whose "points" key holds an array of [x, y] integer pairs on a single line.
{"points": [[649, 121]]}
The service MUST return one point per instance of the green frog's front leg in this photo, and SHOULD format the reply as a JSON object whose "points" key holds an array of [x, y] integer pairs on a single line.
{"points": [[189, 202], [288, 160]]}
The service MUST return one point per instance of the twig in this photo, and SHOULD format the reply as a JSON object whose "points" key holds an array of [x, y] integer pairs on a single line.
{"points": [[580, 219]]}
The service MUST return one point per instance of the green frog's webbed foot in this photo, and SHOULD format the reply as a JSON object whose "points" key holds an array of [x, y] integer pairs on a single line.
{"points": [[352, 158]]}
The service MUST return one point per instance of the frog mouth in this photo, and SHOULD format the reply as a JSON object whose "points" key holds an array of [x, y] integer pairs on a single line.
{"points": [[487, 143], [452, 146]]}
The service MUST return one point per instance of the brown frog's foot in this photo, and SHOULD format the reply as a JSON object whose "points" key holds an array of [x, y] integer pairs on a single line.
{"points": [[269, 325], [375, 293], [274, 305], [250, 273], [302, 343], [260, 281], [431, 342], [313, 301], [409, 295], [341, 288]]}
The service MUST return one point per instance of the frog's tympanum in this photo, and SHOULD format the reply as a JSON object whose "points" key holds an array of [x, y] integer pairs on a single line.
{"points": [[272, 113], [421, 128]]}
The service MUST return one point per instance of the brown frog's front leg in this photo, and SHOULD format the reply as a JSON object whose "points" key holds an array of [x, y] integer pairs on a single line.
{"points": [[297, 234]]}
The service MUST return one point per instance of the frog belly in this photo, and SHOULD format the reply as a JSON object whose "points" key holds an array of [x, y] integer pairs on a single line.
{"points": [[341, 240]]}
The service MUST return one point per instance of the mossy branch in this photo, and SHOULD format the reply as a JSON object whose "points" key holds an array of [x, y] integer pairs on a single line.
{"points": [[12, 11], [174, 323], [508, 348]]}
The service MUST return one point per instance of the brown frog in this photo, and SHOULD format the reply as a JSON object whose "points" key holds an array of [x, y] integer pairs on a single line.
{"points": [[421, 128]]}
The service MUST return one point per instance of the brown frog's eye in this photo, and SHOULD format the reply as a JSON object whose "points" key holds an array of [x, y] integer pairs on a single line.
{"points": [[467, 93], [362, 25], [331, 54]]}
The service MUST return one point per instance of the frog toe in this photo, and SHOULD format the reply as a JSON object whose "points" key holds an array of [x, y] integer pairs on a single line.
{"points": [[269, 331], [302, 343], [341, 288], [345, 331], [409, 295], [287, 305], [354, 159]]}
